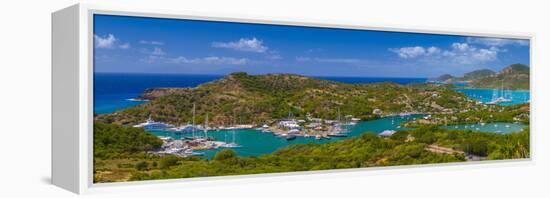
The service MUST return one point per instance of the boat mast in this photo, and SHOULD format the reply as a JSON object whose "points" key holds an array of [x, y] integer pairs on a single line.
{"points": [[234, 125], [504, 92], [233, 137], [206, 127], [193, 126], [339, 118], [289, 114]]}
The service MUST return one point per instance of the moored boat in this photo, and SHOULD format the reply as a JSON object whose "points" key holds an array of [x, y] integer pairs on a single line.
{"points": [[150, 124]]}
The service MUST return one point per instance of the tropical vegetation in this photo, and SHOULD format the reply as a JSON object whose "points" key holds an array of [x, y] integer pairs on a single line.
{"points": [[368, 150], [257, 99]]}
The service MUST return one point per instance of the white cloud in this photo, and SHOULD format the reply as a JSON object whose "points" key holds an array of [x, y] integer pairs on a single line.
{"points": [[329, 60], [498, 42], [107, 41], [145, 42], [124, 46], [464, 53], [157, 55], [410, 52], [243, 44], [207, 60], [461, 46], [461, 53], [433, 50]]}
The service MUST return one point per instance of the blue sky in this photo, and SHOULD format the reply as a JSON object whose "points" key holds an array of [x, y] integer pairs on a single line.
{"points": [[152, 45]]}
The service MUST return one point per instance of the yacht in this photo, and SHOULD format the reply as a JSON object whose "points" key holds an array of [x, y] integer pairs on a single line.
{"points": [[337, 135], [188, 128], [499, 96], [233, 144], [265, 128], [150, 124], [387, 133], [290, 136], [499, 100], [293, 131]]}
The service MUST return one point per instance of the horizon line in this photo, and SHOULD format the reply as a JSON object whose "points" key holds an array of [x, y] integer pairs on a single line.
{"points": [[155, 73]]}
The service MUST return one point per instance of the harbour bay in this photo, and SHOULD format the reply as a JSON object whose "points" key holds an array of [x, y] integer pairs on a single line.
{"points": [[255, 142]]}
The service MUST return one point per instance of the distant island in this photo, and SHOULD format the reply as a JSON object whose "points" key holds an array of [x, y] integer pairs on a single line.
{"points": [[514, 76]]}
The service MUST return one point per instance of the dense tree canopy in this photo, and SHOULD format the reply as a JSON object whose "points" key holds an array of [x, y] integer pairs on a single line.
{"points": [[114, 141], [368, 150]]}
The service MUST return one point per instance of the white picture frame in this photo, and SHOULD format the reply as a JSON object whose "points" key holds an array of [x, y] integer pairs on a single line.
{"points": [[72, 98]]}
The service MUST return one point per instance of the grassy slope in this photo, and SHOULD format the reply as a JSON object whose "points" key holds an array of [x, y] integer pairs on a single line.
{"points": [[515, 76], [257, 99]]}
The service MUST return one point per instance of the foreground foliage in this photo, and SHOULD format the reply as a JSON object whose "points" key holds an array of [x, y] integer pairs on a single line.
{"points": [[114, 141], [367, 150]]}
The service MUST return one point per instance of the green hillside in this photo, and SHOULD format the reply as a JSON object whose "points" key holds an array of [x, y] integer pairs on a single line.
{"points": [[515, 76], [256, 99], [445, 78], [114, 141], [478, 74]]}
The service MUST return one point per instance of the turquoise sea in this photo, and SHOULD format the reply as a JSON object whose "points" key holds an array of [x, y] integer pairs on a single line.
{"points": [[255, 143], [500, 127], [486, 95]]}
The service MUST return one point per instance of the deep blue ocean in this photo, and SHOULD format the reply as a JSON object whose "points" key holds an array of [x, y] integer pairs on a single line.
{"points": [[115, 91]]}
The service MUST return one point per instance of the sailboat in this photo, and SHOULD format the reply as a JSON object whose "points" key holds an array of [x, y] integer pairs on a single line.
{"points": [[193, 126], [337, 130], [193, 130], [499, 96], [188, 128], [233, 144], [206, 126]]}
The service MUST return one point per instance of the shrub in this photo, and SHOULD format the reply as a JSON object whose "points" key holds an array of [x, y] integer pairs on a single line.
{"points": [[141, 166], [168, 161], [225, 154]]}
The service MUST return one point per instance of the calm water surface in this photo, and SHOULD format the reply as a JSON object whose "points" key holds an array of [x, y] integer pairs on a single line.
{"points": [[486, 95], [255, 142]]}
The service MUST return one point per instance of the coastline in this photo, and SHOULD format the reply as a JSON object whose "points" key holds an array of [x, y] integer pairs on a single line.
{"points": [[487, 88]]}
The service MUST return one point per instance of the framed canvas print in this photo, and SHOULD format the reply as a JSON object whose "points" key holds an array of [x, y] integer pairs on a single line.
{"points": [[141, 96]]}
